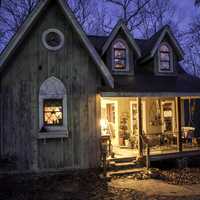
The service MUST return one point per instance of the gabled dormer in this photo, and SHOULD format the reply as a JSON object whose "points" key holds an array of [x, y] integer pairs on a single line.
{"points": [[120, 51], [162, 53]]}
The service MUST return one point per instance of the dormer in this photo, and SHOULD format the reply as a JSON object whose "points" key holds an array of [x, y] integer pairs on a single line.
{"points": [[120, 51], [162, 53]]}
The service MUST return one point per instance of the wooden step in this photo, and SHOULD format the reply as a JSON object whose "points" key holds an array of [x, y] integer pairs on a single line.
{"points": [[126, 172], [123, 165], [121, 160]]}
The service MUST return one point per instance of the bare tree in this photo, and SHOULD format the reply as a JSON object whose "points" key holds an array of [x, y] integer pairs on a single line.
{"points": [[82, 10], [154, 16], [130, 10], [12, 15], [190, 40]]}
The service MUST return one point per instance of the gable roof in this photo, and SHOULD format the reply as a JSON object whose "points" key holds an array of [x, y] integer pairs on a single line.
{"points": [[149, 47], [121, 25], [27, 25]]}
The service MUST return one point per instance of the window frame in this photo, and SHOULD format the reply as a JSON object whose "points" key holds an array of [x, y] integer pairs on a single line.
{"points": [[126, 58], [57, 90], [171, 68]]}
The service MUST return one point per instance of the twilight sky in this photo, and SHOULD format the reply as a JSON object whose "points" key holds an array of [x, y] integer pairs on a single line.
{"points": [[186, 9]]}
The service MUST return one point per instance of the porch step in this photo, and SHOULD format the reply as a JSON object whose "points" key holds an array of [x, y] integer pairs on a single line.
{"points": [[115, 166], [122, 160], [126, 172]]}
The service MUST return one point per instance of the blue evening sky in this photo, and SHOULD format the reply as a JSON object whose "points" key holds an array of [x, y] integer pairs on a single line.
{"points": [[186, 10]]}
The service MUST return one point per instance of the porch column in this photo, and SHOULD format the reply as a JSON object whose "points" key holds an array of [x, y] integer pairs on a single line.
{"points": [[179, 135], [139, 108]]}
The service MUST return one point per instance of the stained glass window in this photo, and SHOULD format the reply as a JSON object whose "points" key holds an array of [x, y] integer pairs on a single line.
{"points": [[119, 55], [53, 112], [164, 58]]}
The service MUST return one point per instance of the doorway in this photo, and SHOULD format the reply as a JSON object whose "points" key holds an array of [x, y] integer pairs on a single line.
{"points": [[168, 116]]}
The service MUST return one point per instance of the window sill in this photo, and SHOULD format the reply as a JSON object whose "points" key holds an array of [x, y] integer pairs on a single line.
{"points": [[122, 73], [53, 135]]}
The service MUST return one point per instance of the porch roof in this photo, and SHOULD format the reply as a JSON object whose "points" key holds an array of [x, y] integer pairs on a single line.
{"points": [[150, 85]]}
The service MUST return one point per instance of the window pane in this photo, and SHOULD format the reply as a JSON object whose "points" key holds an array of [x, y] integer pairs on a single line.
{"points": [[120, 53], [53, 112], [164, 56], [164, 65], [164, 48], [119, 63]]}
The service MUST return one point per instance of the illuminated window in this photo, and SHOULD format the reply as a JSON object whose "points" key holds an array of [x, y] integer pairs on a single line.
{"points": [[53, 112], [120, 56], [165, 58], [53, 105]]}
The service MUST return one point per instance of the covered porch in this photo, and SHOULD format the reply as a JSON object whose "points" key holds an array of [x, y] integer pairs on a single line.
{"points": [[170, 123]]}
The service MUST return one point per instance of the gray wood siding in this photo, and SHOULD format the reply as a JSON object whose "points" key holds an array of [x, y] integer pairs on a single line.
{"points": [[20, 110]]}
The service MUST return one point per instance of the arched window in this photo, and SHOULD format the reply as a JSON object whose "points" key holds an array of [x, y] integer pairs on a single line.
{"points": [[165, 58], [120, 56], [53, 105]]}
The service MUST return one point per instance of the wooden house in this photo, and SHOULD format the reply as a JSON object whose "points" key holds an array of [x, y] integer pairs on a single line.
{"points": [[61, 90]]}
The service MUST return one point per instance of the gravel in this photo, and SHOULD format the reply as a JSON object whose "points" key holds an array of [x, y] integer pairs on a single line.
{"points": [[88, 186]]}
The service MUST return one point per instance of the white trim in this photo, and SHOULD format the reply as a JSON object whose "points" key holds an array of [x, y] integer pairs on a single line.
{"points": [[113, 34], [27, 25], [53, 30], [113, 56], [171, 70], [53, 135], [60, 93]]}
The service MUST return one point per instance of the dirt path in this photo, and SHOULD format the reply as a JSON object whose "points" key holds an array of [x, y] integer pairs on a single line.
{"points": [[155, 187]]}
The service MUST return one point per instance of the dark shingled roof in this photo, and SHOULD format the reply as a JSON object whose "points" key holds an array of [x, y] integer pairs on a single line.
{"points": [[183, 83], [98, 41]]}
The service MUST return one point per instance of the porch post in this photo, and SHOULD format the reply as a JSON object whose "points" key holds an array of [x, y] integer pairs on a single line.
{"points": [[139, 108], [179, 135]]}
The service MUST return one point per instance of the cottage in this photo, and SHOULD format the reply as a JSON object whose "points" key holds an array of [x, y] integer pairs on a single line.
{"points": [[62, 90]]}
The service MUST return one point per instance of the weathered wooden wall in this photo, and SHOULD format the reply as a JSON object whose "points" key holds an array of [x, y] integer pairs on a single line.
{"points": [[21, 81]]}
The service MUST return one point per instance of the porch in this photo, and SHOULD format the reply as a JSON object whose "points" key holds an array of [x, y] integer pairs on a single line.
{"points": [[170, 124]]}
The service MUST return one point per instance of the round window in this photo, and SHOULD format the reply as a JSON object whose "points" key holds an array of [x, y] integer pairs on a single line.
{"points": [[53, 39]]}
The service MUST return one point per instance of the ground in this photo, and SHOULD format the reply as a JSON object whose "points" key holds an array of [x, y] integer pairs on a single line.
{"points": [[90, 186]]}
